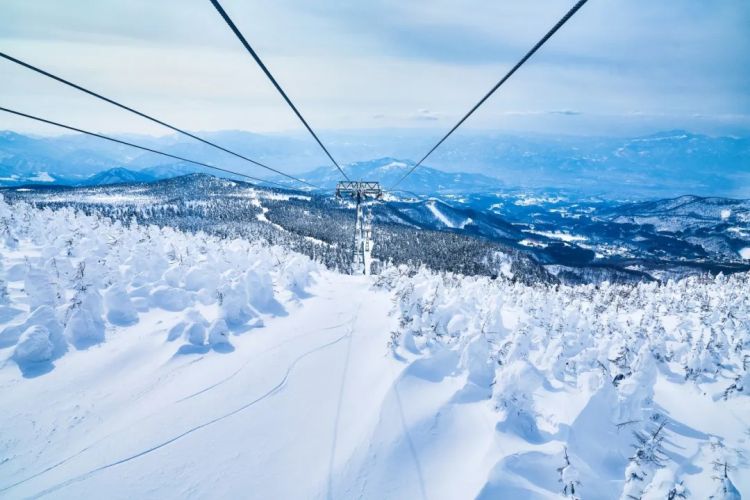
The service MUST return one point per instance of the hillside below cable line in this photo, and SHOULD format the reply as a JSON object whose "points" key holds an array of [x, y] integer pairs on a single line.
{"points": [[144, 361], [528, 236]]}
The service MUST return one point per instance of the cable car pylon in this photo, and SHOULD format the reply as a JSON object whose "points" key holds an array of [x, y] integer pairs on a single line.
{"points": [[361, 192]]}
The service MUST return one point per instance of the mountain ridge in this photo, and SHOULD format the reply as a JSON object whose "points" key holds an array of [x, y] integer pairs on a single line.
{"points": [[658, 165]]}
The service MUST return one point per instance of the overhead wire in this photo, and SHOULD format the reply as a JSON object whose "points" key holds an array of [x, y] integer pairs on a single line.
{"points": [[275, 83], [144, 148], [520, 63], [278, 87], [151, 118]]}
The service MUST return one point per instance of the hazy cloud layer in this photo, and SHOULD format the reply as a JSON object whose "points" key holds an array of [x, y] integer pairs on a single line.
{"points": [[619, 67]]}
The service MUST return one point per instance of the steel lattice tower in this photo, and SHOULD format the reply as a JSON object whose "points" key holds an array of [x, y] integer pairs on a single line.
{"points": [[361, 192]]}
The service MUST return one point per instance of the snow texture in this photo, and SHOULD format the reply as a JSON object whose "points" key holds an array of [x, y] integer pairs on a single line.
{"points": [[78, 277], [144, 362], [641, 387]]}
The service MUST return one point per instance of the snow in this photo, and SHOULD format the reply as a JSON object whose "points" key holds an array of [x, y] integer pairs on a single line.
{"points": [[527, 201], [84, 326], [432, 207], [145, 362], [118, 199], [120, 309], [589, 374], [439, 215], [394, 165], [557, 235], [532, 243], [34, 346], [42, 177], [255, 194], [105, 198]]}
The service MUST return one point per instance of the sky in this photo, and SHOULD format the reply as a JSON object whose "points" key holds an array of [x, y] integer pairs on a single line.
{"points": [[619, 67]]}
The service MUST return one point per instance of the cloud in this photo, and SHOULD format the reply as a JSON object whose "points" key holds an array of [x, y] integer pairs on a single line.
{"points": [[425, 115], [370, 63], [528, 112], [565, 112]]}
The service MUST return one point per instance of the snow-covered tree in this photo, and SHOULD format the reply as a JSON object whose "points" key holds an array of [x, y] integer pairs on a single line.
{"points": [[569, 477], [725, 489]]}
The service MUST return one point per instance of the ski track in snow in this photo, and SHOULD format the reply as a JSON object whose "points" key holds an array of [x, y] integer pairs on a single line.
{"points": [[181, 400], [440, 215], [339, 402], [266, 351], [274, 390], [410, 441]]}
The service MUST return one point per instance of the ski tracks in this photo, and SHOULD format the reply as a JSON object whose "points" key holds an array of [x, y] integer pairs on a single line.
{"points": [[270, 392], [337, 419]]}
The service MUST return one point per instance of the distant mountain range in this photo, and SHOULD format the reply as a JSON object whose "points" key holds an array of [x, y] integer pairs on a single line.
{"points": [[118, 175], [661, 165], [423, 180]]}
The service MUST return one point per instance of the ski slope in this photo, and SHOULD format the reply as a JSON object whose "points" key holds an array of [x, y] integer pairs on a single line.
{"points": [[143, 362], [287, 403], [305, 400]]}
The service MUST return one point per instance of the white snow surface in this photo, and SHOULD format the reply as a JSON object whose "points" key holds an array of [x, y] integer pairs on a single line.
{"points": [[532, 243], [394, 165], [558, 235], [647, 381], [432, 207], [139, 362], [440, 215], [528, 200], [42, 177]]}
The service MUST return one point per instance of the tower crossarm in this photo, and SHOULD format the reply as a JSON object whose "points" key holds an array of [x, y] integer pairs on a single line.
{"points": [[359, 189]]}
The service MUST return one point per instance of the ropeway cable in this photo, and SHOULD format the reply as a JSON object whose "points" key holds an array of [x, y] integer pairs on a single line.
{"points": [[255, 56], [144, 148], [520, 63], [148, 117]]}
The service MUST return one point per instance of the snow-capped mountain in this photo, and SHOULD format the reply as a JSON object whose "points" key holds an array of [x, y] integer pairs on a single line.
{"points": [[423, 180], [661, 165]]}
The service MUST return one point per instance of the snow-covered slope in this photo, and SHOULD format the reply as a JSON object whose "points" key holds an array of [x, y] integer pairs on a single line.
{"points": [[139, 362], [610, 391]]}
